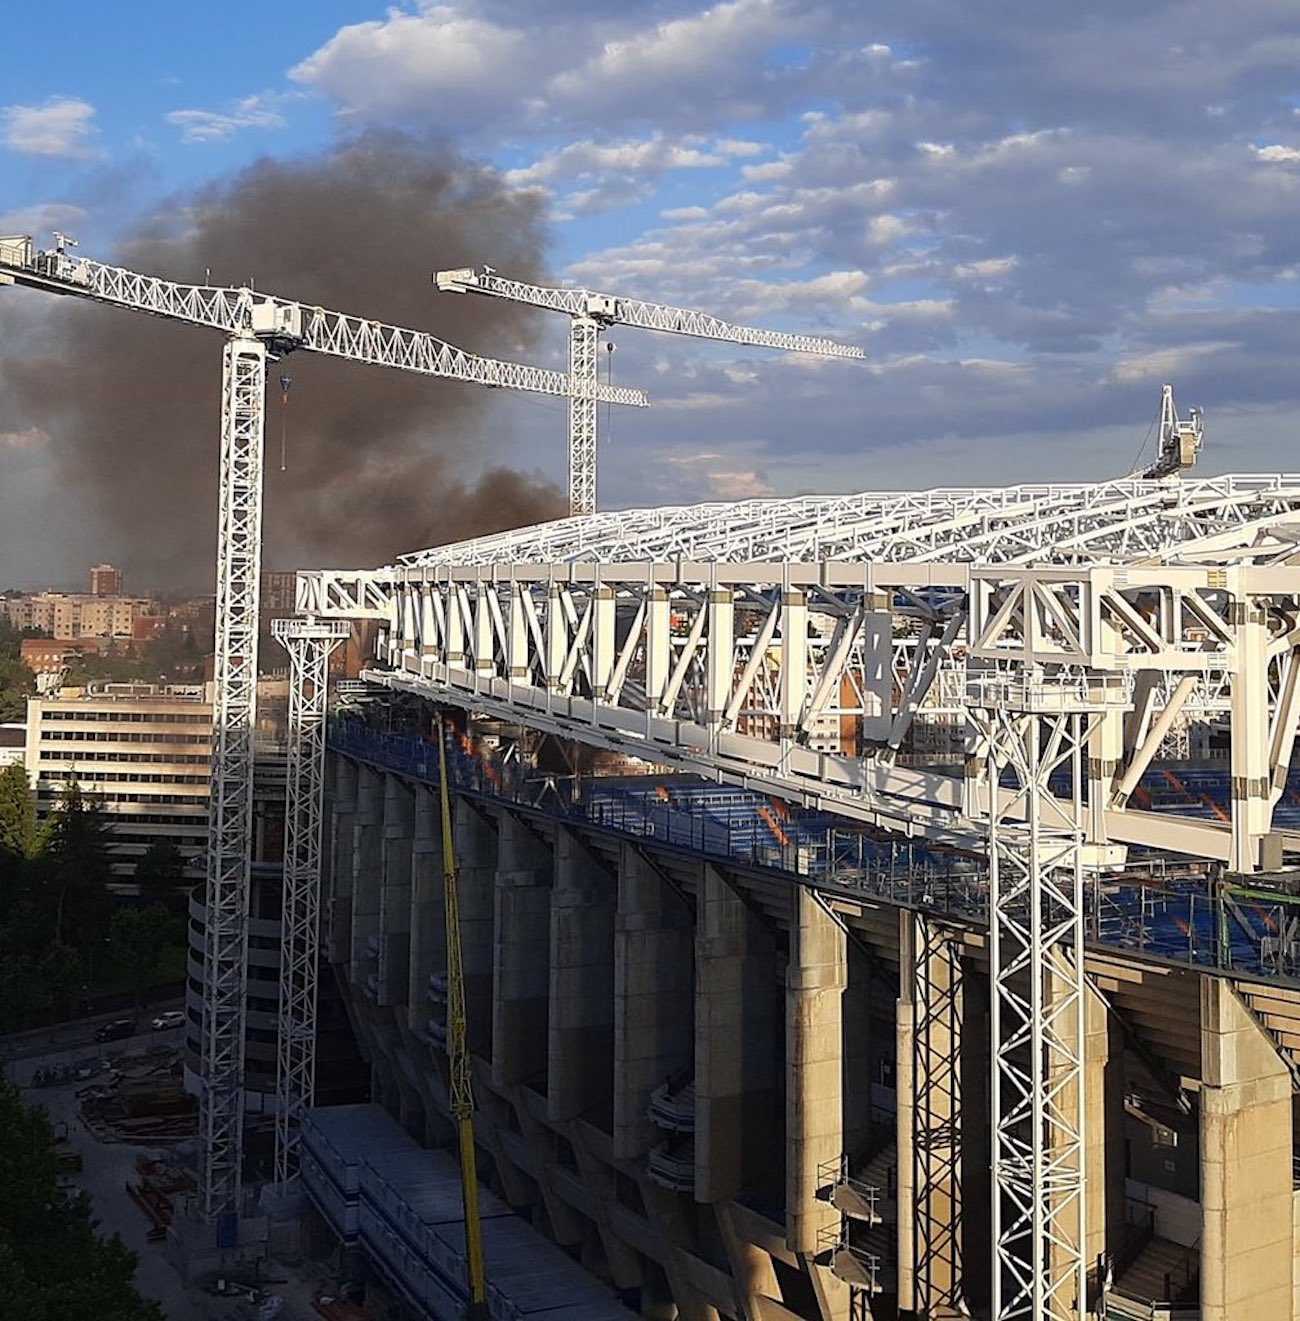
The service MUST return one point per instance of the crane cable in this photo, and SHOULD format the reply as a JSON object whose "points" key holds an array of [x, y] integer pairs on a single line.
{"points": [[286, 381]]}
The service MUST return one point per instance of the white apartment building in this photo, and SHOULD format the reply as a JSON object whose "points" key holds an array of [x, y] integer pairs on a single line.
{"points": [[144, 752], [76, 615]]}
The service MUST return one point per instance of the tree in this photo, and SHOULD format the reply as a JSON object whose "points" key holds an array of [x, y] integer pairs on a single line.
{"points": [[160, 872], [17, 684], [136, 940], [74, 868], [18, 830], [53, 1265]]}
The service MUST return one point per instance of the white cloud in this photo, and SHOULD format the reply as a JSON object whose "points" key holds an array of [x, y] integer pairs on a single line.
{"points": [[1278, 154], [62, 126], [29, 438], [585, 160], [217, 126], [438, 66]]}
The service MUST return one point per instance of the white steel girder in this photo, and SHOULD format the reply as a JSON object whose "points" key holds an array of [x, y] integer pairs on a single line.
{"points": [[309, 645], [239, 554]]}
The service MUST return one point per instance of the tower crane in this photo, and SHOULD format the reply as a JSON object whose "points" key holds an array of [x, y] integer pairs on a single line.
{"points": [[257, 326], [591, 312], [1179, 440]]}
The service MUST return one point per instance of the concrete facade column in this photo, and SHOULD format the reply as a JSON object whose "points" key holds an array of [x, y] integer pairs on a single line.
{"points": [[1104, 1159], [1247, 1235], [816, 975], [736, 1051], [343, 807], [581, 1013], [475, 839], [654, 991], [521, 979], [395, 892], [929, 1024], [367, 867], [428, 952]]}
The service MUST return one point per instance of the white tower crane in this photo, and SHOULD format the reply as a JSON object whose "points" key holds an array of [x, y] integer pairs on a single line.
{"points": [[256, 325], [1179, 440], [589, 313]]}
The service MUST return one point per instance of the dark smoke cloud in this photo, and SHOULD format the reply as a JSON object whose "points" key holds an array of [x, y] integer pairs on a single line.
{"points": [[377, 459]]}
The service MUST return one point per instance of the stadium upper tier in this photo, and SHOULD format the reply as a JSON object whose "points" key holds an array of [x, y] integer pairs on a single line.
{"points": [[1236, 519]]}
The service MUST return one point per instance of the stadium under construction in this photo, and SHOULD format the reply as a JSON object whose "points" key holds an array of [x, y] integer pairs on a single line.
{"points": [[871, 906], [858, 906]]}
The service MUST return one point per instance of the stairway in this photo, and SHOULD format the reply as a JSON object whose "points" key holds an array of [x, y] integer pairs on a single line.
{"points": [[1160, 1273]]}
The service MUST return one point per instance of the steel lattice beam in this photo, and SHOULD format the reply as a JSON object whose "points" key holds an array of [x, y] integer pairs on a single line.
{"points": [[239, 554], [584, 339], [1035, 848], [309, 645]]}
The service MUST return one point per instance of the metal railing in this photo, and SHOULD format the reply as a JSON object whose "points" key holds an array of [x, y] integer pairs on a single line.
{"points": [[1174, 918]]}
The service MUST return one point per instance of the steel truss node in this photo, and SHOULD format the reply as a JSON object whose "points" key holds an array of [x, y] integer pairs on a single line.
{"points": [[309, 645], [239, 555]]}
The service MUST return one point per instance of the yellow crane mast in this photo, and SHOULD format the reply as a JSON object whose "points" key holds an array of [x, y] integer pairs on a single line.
{"points": [[462, 1085]]}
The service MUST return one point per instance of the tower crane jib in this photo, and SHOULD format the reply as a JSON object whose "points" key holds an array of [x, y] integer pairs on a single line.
{"points": [[590, 312]]}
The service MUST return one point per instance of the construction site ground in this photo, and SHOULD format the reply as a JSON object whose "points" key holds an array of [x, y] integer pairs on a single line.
{"points": [[108, 1166]]}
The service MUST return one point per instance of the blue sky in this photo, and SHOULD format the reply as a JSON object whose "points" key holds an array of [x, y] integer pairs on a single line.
{"points": [[1030, 216]]}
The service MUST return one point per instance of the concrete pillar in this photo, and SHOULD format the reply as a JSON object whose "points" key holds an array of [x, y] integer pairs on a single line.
{"points": [[930, 1228], [581, 1013], [816, 974], [1247, 1235], [395, 891], [338, 913], [654, 990], [1104, 1158], [521, 980], [428, 924], [367, 866], [857, 1078], [476, 864], [737, 1049]]}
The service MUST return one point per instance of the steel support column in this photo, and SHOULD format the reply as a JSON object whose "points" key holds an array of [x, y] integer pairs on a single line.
{"points": [[1031, 729], [309, 645], [584, 337], [239, 554]]}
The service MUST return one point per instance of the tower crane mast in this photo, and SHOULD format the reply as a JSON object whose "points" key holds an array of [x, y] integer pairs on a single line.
{"points": [[589, 313], [256, 326]]}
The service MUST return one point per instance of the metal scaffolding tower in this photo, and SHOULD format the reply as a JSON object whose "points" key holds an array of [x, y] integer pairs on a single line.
{"points": [[239, 555], [592, 312], [309, 645], [1029, 730]]}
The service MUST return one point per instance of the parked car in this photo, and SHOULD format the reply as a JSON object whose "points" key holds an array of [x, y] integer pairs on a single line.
{"points": [[116, 1030], [168, 1018]]}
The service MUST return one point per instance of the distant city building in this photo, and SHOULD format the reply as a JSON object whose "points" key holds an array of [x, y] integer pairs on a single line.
{"points": [[142, 751], [278, 592], [13, 745], [105, 580], [52, 655], [76, 615]]}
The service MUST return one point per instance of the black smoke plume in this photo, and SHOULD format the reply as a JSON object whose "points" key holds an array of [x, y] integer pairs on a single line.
{"points": [[377, 459]]}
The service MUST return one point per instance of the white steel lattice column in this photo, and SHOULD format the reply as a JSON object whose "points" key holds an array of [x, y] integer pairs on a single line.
{"points": [[239, 538], [584, 337], [1037, 997], [309, 645]]}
